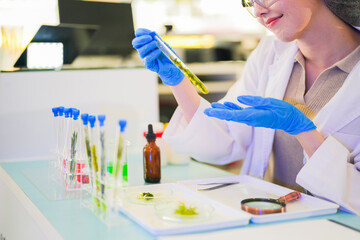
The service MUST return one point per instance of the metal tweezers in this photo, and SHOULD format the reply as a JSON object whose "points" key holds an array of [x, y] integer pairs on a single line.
{"points": [[218, 185]]}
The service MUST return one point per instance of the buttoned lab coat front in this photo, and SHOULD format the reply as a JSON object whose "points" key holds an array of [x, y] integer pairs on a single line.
{"points": [[332, 172]]}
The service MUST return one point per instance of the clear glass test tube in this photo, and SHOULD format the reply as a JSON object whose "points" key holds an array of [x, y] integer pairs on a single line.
{"points": [[94, 157], [171, 55], [87, 146], [55, 111], [103, 165], [61, 134], [67, 138]]}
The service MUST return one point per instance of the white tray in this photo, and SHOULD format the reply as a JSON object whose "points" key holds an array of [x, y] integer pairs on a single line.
{"points": [[250, 187], [145, 215]]}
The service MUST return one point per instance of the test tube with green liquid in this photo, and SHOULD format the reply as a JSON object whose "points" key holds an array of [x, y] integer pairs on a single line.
{"points": [[171, 55]]}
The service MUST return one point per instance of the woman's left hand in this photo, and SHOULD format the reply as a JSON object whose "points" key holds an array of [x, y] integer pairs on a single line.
{"points": [[263, 112]]}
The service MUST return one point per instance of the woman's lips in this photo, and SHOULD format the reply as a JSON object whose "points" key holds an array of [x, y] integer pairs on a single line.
{"points": [[271, 21]]}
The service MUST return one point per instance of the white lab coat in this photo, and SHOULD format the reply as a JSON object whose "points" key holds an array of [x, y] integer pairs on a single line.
{"points": [[333, 171]]}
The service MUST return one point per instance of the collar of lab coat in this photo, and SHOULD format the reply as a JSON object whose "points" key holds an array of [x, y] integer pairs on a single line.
{"points": [[280, 69], [340, 110], [343, 107]]}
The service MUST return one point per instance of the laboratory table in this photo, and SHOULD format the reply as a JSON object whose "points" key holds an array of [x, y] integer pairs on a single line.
{"points": [[27, 212]]}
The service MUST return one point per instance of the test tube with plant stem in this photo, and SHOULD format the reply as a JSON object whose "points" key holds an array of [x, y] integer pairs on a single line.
{"points": [[61, 136], [103, 165], [84, 118], [74, 143], [120, 167], [94, 157], [119, 153], [55, 112], [171, 55], [66, 148], [81, 176]]}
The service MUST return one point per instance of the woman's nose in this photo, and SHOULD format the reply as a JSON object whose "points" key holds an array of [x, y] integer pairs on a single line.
{"points": [[259, 10]]}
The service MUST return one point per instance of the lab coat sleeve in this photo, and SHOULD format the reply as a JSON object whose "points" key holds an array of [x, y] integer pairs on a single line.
{"points": [[328, 174], [216, 141], [205, 139]]}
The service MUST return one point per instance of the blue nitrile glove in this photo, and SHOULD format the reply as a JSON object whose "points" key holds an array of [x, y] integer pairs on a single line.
{"points": [[264, 112], [154, 59]]}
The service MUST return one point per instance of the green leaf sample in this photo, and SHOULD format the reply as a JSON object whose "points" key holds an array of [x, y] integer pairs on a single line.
{"points": [[183, 210]]}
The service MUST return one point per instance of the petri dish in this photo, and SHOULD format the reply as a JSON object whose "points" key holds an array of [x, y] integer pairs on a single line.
{"points": [[148, 196], [197, 211]]}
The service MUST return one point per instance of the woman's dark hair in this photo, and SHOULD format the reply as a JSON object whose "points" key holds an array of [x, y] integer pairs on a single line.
{"points": [[347, 10]]}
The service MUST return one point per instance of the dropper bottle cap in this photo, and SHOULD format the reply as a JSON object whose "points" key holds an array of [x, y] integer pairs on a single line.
{"points": [[101, 119], [92, 120], [84, 118], [75, 113], [55, 111], [61, 110], [122, 124], [67, 112], [150, 134]]}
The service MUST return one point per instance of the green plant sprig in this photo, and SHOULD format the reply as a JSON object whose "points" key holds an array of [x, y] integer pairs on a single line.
{"points": [[73, 152], [183, 210]]}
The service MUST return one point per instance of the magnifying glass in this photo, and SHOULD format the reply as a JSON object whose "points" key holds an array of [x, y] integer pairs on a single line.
{"points": [[260, 206]]}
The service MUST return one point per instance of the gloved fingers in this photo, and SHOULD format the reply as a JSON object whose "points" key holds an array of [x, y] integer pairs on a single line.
{"points": [[151, 61], [152, 56], [219, 105], [232, 105], [151, 65], [254, 117], [253, 101], [146, 49], [139, 42], [223, 114], [142, 31], [260, 102], [247, 115], [250, 116]]}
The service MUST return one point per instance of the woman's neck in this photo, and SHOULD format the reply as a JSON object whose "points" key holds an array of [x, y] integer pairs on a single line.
{"points": [[328, 42]]}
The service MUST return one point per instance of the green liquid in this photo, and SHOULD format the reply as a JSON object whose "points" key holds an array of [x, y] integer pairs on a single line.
{"points": [[110, 167], [192, 77], [125, 172]]}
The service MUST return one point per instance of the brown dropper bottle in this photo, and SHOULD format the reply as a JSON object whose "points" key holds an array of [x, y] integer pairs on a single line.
{"points": [[152, 164]]}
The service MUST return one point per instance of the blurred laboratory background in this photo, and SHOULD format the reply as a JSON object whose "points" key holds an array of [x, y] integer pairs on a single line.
{"points": [[79, 53]]}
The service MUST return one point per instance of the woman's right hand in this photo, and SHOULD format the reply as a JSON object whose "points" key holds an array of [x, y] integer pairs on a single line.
{"points": [[154, 60]]}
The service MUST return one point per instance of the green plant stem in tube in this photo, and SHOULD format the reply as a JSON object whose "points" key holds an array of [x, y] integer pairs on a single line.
{"points": [[73, 152], [119, 155], [88, 149], [96, 170], [192, 77]]}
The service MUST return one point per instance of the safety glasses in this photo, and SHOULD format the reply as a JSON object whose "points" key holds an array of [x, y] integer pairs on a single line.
{"points": [[249, 5]]}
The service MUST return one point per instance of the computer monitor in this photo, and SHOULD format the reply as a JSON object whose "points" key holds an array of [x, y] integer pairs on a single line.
{"points": [[115, 21], [89, 28]]}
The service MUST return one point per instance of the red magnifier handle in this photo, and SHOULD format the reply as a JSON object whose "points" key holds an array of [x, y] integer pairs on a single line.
{"points": [[290, 197]]}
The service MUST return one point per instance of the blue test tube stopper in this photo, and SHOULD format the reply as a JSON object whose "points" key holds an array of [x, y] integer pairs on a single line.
{"points": [[85, 118], [67, 112], [101, 119], [75, 113], [92, 120], [61, 110], [122, 124], [55, 111]]}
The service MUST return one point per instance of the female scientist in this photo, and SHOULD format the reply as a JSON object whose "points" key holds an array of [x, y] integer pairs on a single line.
{"points": [[298, 99]]}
